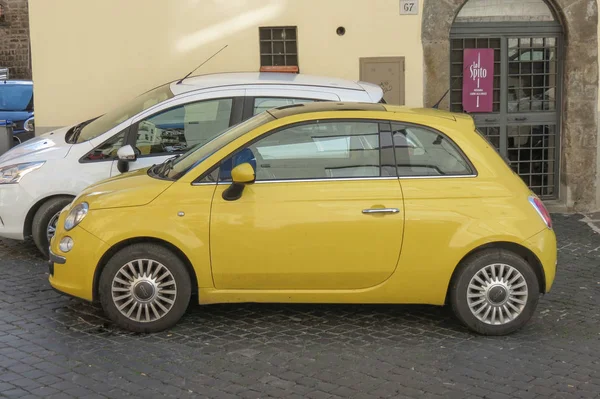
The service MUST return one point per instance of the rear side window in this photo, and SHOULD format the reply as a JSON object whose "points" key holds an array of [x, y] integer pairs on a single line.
{"points": [[421, 152]]}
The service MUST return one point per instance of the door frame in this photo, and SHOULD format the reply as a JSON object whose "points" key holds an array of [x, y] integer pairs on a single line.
{"points": [[505, 31]]}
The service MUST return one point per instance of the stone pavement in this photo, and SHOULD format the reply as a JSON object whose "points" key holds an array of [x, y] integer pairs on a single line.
{"points": [[56, 347]]}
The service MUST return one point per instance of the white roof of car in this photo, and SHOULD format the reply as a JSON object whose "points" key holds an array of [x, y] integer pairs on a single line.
{"points": [[267, 78]]}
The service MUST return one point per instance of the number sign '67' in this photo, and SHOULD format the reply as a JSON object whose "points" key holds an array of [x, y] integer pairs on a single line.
{"points": [[409, 7]]}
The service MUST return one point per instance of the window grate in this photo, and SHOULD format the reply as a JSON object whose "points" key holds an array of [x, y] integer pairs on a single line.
{"points": [[278, 46], [524, 123], [532, 152]]}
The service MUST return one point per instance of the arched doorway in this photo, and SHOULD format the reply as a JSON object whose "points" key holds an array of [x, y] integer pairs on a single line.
{"points": [[545, 52], [524, 123]]}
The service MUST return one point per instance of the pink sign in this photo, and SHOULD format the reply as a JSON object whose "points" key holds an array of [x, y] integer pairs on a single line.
{"points": [[478, 80]]}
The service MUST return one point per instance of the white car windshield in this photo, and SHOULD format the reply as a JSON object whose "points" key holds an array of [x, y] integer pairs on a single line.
{"points": [[101, 125], [197, 154]]}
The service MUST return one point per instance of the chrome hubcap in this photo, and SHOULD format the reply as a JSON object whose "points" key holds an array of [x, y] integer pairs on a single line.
{"points": [[51, 229], [144, 290], [497, 294]]}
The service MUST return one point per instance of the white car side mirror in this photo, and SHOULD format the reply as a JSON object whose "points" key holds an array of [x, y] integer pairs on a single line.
{"points": [[126, 153]]}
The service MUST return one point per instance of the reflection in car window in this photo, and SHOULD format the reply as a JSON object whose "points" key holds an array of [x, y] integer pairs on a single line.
{"points": [[108, 149], [423, 152], [200, 152], [316, 150], [181, 128], [262, 104]]}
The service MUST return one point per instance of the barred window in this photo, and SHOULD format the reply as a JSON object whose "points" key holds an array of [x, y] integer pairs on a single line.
{"points": [[278, 46]]}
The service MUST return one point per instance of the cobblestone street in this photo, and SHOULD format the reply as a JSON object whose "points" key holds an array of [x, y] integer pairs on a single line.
{"points": [[53, 346]]}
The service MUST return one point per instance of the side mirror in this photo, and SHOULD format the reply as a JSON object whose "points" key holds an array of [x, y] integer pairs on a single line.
{"points": [[126, 153], [240, 175], [243, 174]]}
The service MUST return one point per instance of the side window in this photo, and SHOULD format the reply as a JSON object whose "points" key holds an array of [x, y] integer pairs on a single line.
{"points": [[424, 152], [108, 149], [262, 104], [318, 150], [183, 127], [211, 177]]}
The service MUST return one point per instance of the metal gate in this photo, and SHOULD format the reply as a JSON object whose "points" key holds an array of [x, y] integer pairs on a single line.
{"points": [[525, 122]]}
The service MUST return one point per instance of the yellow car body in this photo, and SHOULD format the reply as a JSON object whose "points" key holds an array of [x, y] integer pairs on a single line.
{"points": [[308, 241]]}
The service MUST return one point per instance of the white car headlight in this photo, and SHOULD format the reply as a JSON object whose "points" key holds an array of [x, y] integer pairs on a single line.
{"points": [[14, 173], [29, 124], [76, 215]]}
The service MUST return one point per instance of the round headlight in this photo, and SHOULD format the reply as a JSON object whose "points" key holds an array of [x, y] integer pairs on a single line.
{"points": [[78, 212], [66, 244]]}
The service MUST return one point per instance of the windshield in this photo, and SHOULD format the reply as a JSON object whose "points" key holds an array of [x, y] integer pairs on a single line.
{"points": [[111, 119], [202, 151], [15, 97]]}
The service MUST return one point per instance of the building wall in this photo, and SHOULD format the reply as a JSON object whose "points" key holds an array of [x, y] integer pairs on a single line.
{"points": [[89, 56], [14, 39]]}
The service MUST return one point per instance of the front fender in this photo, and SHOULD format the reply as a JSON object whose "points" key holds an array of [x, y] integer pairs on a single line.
{"points": [[118, 225]]}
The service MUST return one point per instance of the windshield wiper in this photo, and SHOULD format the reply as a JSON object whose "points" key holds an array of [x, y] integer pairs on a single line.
{"points": [[77, 131], [164, 168]]}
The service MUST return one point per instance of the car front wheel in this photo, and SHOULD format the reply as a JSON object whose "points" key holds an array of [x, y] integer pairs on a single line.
{"points": [[494, 292], [44, 221], [145, 288]]}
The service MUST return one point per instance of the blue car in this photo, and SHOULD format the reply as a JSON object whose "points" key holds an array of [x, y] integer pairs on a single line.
{"points": [[16, 105]]}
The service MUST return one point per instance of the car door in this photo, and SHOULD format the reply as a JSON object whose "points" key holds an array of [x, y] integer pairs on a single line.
{"points": [[262, 99], [325, 212], [178, 127]]}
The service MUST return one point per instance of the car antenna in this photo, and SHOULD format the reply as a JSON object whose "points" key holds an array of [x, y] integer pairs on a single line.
{"points": [[211, 57], [436, 105]]}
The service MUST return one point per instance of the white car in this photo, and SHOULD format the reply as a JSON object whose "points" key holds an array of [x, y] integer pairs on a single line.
{"points": [[41, 176]]}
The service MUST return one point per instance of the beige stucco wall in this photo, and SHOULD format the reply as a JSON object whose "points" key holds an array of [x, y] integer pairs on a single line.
{"points": [[90, 56]]}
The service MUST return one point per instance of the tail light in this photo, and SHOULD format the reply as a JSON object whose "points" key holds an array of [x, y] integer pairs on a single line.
{"points": [[539, 206]]}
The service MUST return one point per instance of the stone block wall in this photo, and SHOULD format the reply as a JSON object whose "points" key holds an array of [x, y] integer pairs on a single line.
{"points": [[14, 39]]}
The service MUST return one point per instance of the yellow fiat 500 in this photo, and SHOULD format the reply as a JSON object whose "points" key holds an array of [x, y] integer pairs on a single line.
{"points": [[323, 203]]}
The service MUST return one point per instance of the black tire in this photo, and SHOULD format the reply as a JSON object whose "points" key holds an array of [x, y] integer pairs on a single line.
{"points": [[155, 253], [42, 218], [459, 289]]}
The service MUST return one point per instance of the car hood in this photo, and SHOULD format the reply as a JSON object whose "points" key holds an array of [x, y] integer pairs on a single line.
{"points": [[126, 190], [46, 147]]}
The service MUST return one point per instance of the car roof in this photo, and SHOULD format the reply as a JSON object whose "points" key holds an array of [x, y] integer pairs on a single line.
{"points": [[263, 78], [326, 106]]}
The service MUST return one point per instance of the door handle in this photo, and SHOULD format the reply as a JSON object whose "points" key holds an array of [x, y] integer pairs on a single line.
{"points": [[491, 119], [521, 119], [381, 210]]}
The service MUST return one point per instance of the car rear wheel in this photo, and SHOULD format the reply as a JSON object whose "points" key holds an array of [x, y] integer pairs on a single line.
{"points": [[44, 221], [145, 288], [494, 292]]}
